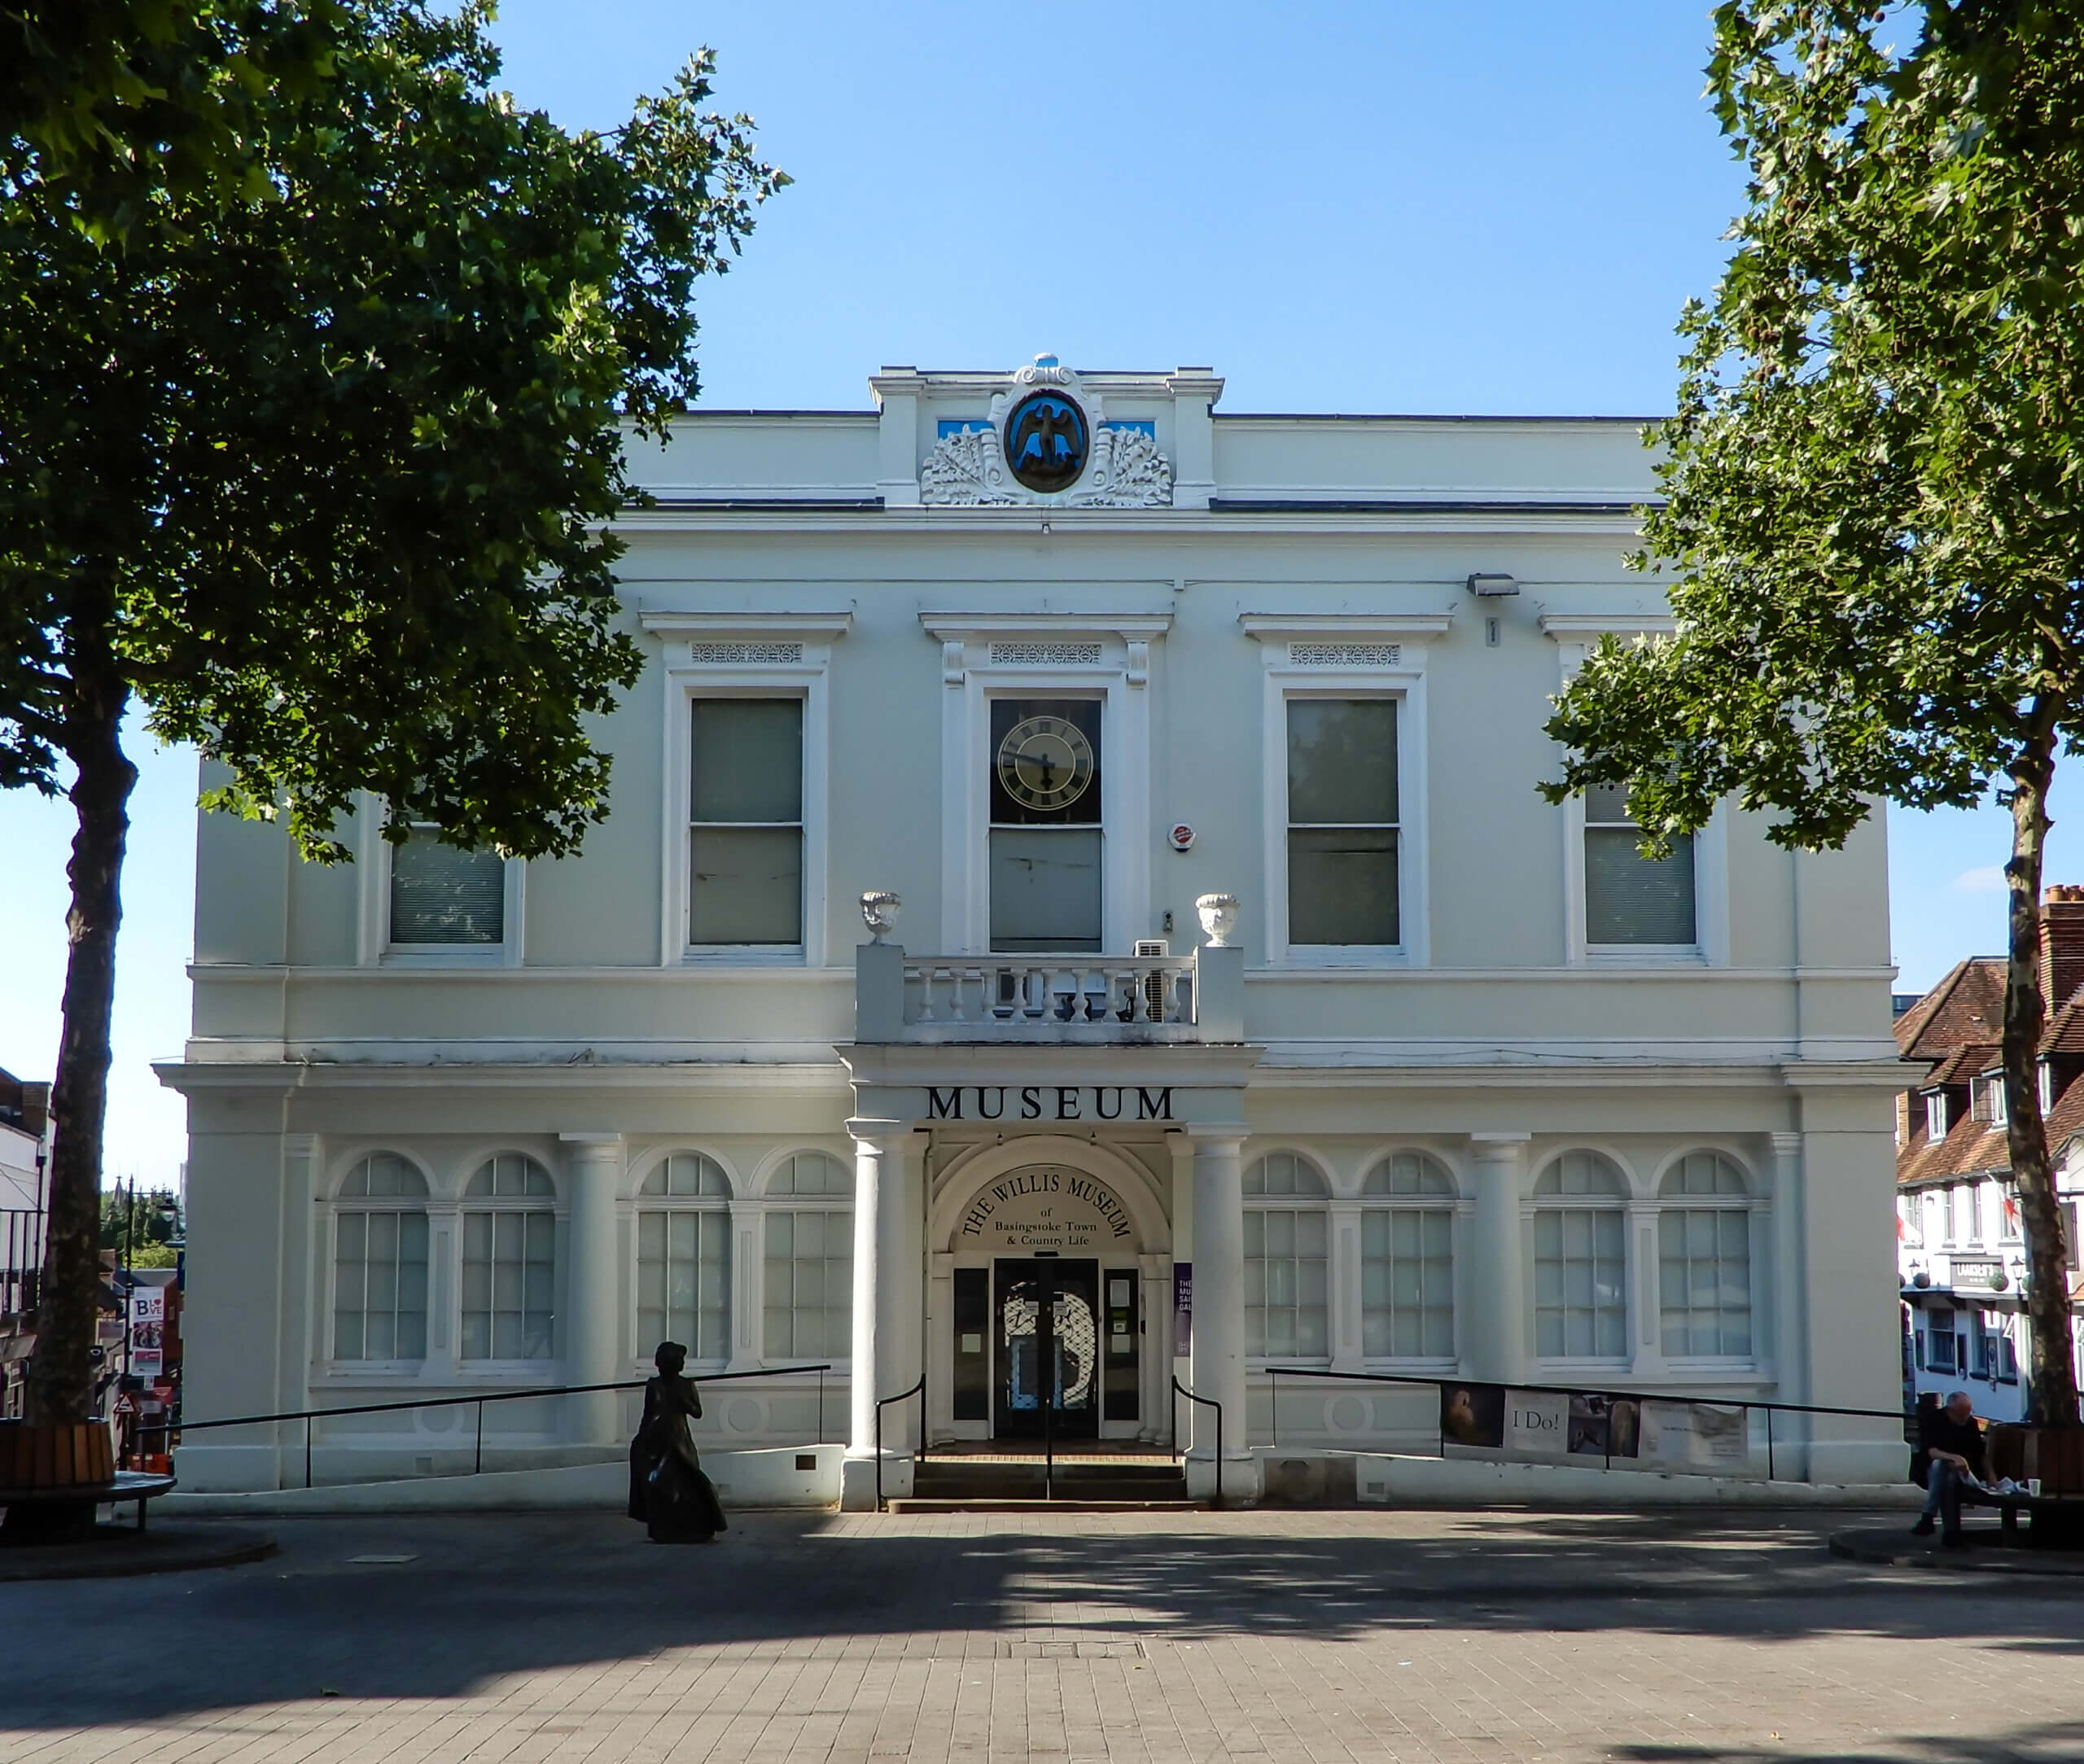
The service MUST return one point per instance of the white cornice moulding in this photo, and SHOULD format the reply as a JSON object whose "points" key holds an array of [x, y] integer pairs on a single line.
{"points": [[811, 626], [1284, 627], [1576, 626], [957, 627]]}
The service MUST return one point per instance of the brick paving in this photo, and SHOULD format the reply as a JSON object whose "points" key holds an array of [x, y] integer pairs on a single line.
{"points": [[976, 1639]]}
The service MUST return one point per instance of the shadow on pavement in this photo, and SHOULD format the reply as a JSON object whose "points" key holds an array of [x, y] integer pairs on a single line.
{"points": [[482, 1595]]}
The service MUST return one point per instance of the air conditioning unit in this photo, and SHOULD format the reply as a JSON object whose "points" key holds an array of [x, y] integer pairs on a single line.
{"points": [[1153, 982]]}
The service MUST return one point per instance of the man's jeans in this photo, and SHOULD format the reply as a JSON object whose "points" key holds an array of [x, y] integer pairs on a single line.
{"points": [[1943, 1493]]}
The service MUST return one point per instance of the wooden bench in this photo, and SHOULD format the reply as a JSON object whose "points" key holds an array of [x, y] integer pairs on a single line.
{"points": [[2055, 1456], [70, 1463]]}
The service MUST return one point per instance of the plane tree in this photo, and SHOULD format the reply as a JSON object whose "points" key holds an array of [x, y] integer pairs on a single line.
{"points": [[316, 473], [1874, 479]]}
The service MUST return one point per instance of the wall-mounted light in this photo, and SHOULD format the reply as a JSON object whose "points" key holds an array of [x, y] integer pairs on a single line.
{"points": [[1487, 585]]}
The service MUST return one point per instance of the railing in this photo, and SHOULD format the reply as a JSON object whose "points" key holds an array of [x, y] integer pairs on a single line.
{"points": [[478, 1440], [1045, 998], [1711, 1399], [21, 1269], [21, 1259], [1179, 1390], [918, 1390]]}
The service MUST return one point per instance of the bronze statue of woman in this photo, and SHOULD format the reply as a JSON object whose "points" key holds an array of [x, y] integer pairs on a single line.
{"points": [[666, 1488]]}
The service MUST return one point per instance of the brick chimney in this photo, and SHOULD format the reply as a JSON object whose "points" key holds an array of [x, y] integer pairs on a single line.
{"points": [[2062, 944]]}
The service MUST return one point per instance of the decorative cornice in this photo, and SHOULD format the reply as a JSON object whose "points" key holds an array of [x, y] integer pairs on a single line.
{"points": [[810, 626], [1286, 627], [956, 627], [1577, 627]]}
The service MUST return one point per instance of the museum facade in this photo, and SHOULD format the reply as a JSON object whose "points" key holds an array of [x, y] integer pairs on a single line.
{"points": [[1076, 913]]}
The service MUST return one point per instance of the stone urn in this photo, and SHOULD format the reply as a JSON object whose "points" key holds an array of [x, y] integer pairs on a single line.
{"points": [[1218, 917], [879, 911]]}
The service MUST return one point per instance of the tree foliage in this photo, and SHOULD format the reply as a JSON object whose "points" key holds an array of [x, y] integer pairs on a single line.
{"points": [[1875, 476], [320, 469], [112, 102]]}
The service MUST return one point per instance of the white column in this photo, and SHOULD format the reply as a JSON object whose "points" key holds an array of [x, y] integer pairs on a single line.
{"points": [[1497, 1307], [1646, 1300], [307, 1303], [1790, 1331], [1217, 1359], [1345, 1307], [880, 1367], [593, 1285]]}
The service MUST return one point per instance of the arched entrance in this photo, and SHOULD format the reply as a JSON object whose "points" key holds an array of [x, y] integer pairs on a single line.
{"points": [[1050, 1258]]}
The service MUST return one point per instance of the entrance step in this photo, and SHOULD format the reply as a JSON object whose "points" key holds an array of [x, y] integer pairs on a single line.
{"points": [[971, 1479], [913, 1505]]}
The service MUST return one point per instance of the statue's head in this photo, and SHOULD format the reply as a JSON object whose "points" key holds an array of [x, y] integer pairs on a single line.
{"points": [[670, 1358]]}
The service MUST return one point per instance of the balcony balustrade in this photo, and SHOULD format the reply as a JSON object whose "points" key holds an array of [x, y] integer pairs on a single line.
{"points": [[1044, 999]]}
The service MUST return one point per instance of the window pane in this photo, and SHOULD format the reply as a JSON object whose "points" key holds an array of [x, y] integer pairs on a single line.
{"points": [[439, 895], [1606, 803], [747, 886], [1342, 885], [748, 760], [1343, 760], [1630, 899], [1045, 888]]}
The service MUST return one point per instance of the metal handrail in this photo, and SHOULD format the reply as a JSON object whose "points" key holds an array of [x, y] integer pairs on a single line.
{"points": [[1905, 1415], [918, 1390], [477, 1466], [1179, 1390]]}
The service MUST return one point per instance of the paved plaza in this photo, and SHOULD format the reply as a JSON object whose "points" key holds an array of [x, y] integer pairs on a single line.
{"points": [[1661, 1637]]}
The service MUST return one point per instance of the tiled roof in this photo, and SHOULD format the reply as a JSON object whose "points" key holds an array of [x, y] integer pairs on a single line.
{"points": [[1967, 1006], [1963, 1064], [1970, 1147], [2065, 1031], [1973, 1147]]}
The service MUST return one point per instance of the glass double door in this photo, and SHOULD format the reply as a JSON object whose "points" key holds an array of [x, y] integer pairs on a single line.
{"points": [[1046, 1315]]}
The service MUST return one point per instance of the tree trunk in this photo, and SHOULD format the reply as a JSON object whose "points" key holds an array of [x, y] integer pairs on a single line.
{"points": [[61, 1380], [2052, 1394]]}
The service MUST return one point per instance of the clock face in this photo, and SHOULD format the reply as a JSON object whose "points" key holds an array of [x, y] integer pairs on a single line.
{"points": [[1045, 762]]}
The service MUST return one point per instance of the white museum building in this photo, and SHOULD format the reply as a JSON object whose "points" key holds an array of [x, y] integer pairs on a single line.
{"points": [[1076, 913]]}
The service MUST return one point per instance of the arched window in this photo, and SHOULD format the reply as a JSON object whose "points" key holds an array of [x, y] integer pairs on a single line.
{"points": [[1580, 1259], [1407, 1259], [510, 1259], [1704, 1257], [683, 1256], [1287, 1237], [807, 1300], [380, 1262]]}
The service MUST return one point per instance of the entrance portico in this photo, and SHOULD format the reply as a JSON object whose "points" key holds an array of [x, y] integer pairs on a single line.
{"points": [[1021, 1211]]}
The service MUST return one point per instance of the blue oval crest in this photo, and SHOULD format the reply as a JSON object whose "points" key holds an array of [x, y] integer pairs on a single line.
{"points": [[1047, 441]]}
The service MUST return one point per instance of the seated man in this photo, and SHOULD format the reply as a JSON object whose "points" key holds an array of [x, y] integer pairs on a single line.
{"points": [[1951, 1440]]}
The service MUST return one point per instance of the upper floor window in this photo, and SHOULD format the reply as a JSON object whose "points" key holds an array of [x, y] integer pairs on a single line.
{"points": [[746, 837], [1998, 1115], [1343, 822], [1046, 841], [441, 895], [1631, 899], [1935, 1114]]}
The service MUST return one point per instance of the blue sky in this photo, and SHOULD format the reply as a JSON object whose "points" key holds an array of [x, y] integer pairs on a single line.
{"points": [[1375, 206]]}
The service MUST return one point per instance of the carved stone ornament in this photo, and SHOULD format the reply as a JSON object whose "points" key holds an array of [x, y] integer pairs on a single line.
{"points": [[1219, 917], [879, 911], [1120, 468]]}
